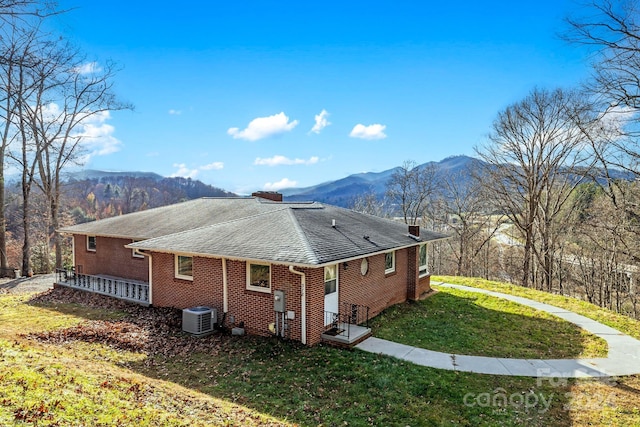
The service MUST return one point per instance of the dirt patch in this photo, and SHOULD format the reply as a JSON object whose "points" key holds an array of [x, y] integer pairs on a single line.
{"points": [[25, 285], [150, 330]]}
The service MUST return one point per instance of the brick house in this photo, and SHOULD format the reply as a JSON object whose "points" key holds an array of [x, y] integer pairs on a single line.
{"points": [[329, 266]]}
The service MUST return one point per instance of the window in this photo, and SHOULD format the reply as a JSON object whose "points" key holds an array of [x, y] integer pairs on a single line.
{"points": [[259, 277], [422, 260], [389, 262], [330, 279], [134, 252], [184, 267], [91, 243]]}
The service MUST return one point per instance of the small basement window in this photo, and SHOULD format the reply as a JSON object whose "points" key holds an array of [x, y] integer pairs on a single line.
{"points": [[184, 267], [389, 262], [91, 243], [259, 277]]}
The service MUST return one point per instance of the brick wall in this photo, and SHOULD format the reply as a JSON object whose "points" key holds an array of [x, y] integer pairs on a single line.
{"points": [[315, 304], [412, 272], [255, 309], [204, 289], [375, 289], [110, 258], [424, 287], [417, 287]]}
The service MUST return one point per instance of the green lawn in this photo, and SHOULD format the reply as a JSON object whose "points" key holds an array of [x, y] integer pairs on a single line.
{"points": [[222, 380], [622, 323], [455, 321]]}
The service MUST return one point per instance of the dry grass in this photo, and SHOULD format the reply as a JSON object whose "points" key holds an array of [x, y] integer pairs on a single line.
{"points": [[62, 363]]}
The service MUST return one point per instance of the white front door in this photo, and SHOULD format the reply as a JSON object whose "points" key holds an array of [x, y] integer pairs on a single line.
{"points": [[330, 293]]}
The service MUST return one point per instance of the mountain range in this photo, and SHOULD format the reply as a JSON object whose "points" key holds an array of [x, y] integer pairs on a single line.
{"points": [[342, 192]]}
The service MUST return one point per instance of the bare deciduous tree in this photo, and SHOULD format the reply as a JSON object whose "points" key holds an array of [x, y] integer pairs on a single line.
{"points": [[370, 204], [536, 155], [19, 27], [464, 204], [611, 29], [82, 91], [49, 92], [411, 187]]}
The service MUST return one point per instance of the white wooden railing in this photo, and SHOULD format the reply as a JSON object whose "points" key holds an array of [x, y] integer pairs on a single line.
{"points": [[117, 287]]}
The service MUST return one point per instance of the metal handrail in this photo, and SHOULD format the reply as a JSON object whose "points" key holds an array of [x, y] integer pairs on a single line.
{"points": [[350, 314]]}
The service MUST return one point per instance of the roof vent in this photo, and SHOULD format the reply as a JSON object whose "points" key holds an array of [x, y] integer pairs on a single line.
{"points": [[199, 320], [333, 223]]}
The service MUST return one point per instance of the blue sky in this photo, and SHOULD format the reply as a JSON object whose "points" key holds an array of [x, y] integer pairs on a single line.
{"points": [[250, 95]]}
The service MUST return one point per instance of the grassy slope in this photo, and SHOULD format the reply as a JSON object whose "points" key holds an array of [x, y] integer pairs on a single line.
{"points": [[460, 322], [85, 383], [253, 381], [622, 323]]}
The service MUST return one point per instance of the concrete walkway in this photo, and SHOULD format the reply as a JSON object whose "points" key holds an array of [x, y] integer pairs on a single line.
{"points": [[623, 357]]}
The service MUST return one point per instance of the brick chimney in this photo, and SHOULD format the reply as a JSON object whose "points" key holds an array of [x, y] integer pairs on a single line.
{"points": [[414, 230], [274, 196]]}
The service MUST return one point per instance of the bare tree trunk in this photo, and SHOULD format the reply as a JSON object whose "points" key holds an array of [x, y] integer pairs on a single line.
{"points": [[4, 262]]}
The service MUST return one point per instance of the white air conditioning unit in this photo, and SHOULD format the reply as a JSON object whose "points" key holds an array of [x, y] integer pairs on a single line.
{"points": [[199, 320]]}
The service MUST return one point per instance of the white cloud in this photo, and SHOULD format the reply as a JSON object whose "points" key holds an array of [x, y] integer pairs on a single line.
{"points": [[212, 166], [97, 136], [183, 171], [375, 131], [278, 160], [88, 68], [615, 119], [321, 121], [175, 112], [91, 130], [263, 127], [283, 183]]}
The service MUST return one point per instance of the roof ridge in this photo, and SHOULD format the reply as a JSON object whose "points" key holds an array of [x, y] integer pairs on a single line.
{"points": [[303, 237]]}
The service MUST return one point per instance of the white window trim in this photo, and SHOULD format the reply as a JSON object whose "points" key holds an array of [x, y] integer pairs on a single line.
{"points": [[134, 251], [424, 273], [393, 266], [175, 265], [257, 288], [96, 243]]}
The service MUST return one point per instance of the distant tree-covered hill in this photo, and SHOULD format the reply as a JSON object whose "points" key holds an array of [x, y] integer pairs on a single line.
{"points": [[94, 194]]}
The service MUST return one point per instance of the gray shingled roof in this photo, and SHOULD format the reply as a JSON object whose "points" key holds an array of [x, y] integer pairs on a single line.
{"points": [[175, 218], [248, 228], [355, 234]]}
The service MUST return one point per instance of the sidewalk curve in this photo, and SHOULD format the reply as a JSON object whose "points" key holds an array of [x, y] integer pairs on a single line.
{"points": [[623, 357]]}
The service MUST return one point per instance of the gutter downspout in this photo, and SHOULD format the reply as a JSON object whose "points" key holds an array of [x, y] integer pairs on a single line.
{"points": [[225, 287], [150, 274], [73, 250], [150, 280], [303, 303]]}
